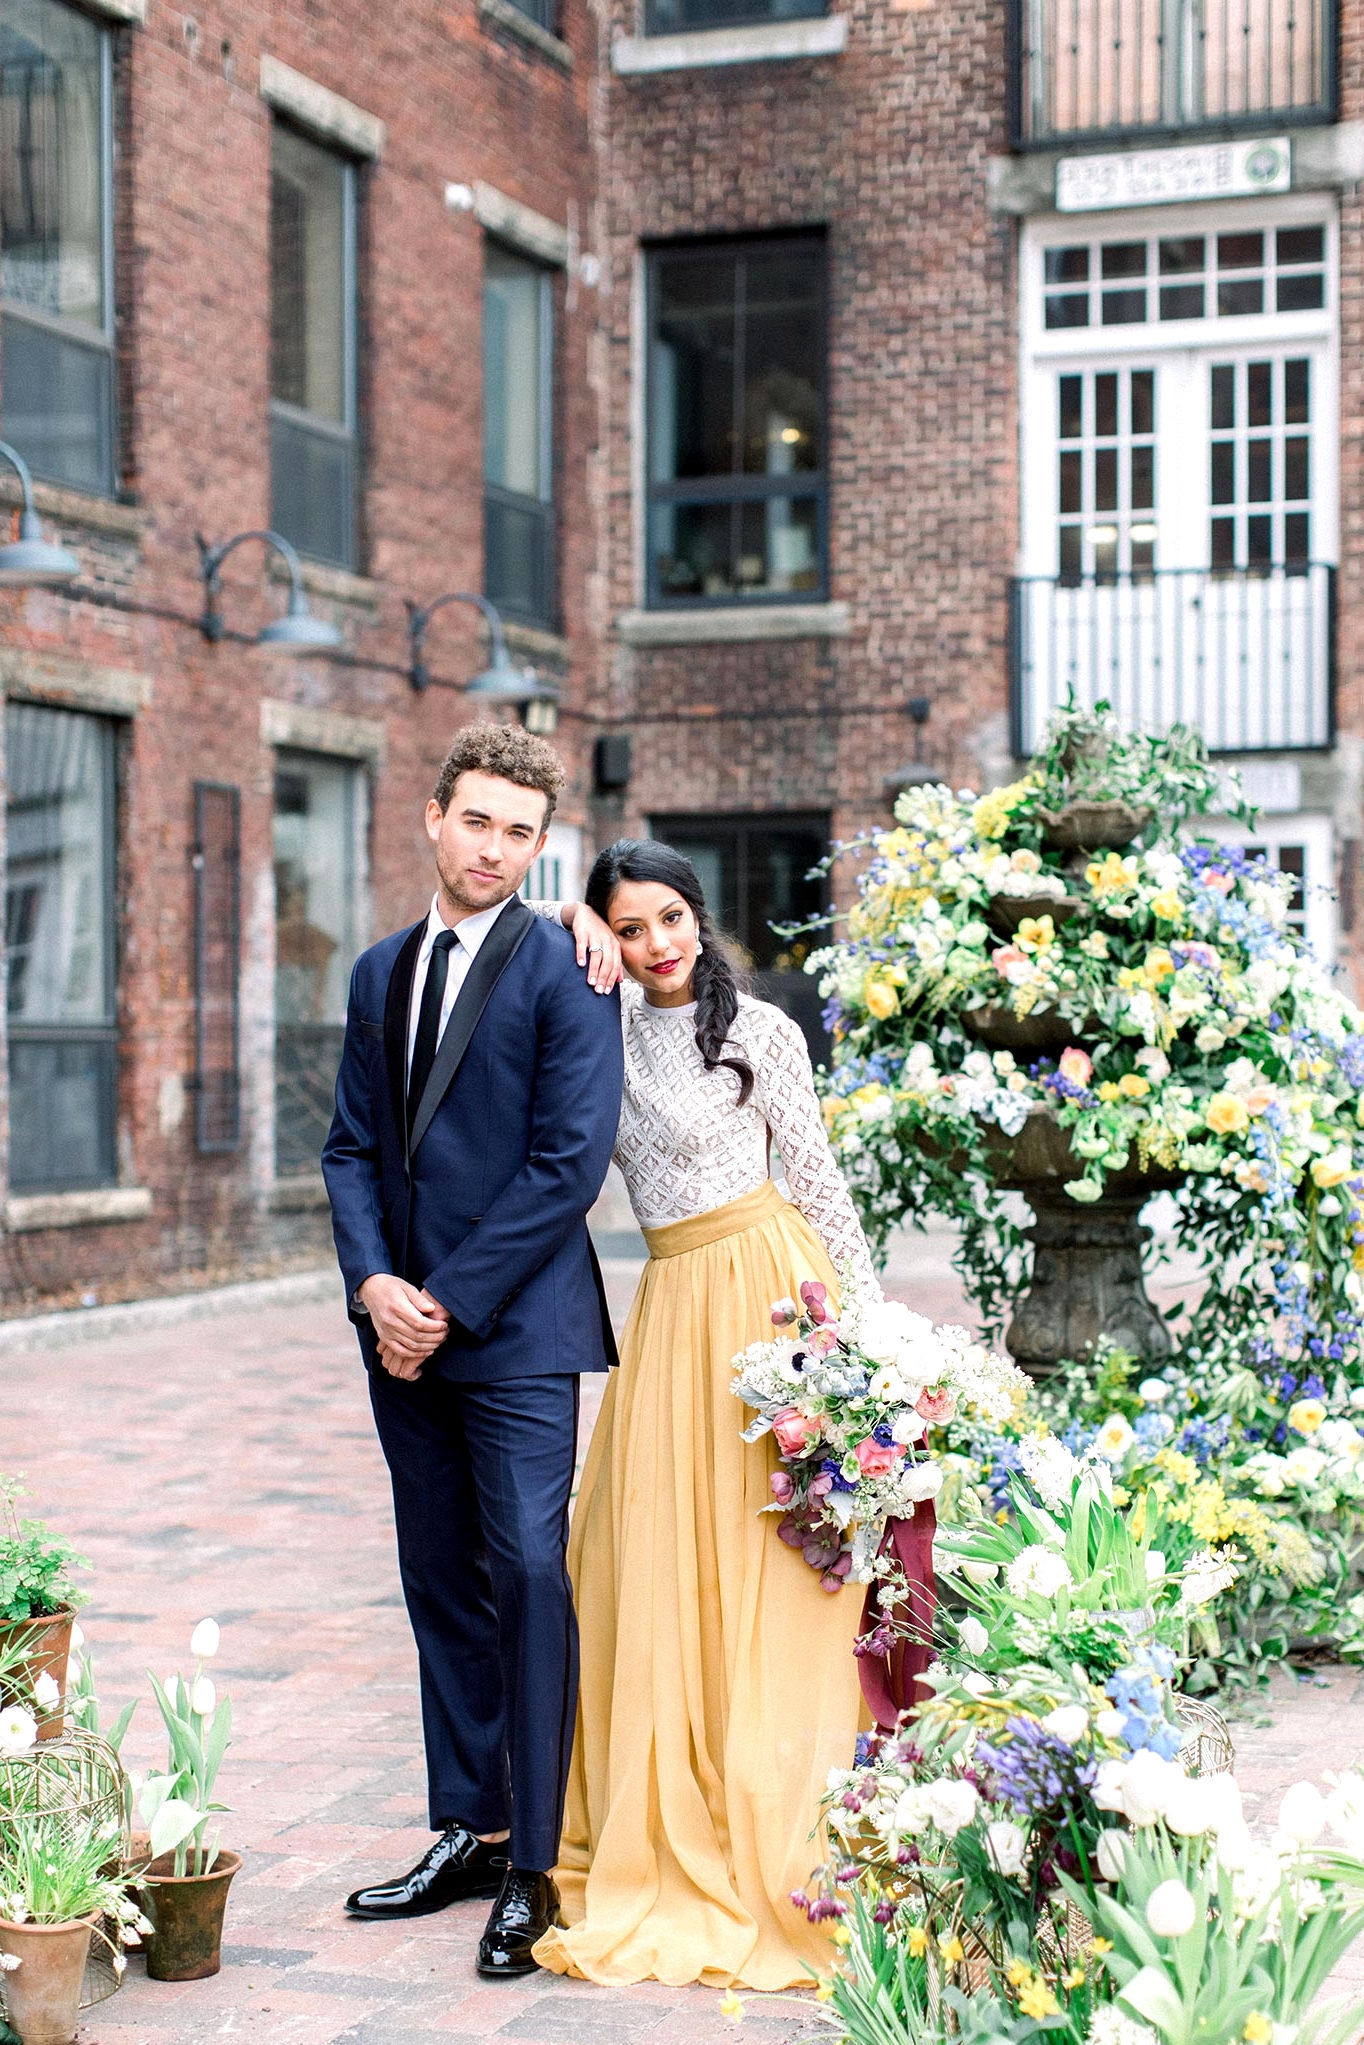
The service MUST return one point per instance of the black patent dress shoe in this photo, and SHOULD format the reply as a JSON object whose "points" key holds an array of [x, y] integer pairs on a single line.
{"points": [[456, 1867], [527, 1907]]}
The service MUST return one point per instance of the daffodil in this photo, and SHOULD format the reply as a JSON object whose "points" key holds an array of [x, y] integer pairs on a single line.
{"points": [[732, 2006]]}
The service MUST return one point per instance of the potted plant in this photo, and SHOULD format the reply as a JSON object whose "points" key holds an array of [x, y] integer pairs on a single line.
{"points": [[38, 1601], [184, 1889], [55, 1890]]}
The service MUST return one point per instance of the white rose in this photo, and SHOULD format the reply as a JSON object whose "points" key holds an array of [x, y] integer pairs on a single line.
{"points": [[921, 1480], [1006, 1847], [951, 1804], [907, 1426], [1069, 1722], [911, 1811], [1110, 1853], [881, 1330], [1149, 1785], [974, 1637], [1302, 1813], [1303, 1466], [1171, 1910]]}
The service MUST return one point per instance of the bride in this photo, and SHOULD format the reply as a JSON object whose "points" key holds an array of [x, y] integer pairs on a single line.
{"points": [[718, 1680]]}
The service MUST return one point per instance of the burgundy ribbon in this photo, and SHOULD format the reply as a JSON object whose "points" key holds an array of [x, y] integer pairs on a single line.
{"points": [[890, 1682]]}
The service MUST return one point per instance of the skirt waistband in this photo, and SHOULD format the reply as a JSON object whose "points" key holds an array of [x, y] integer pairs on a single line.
{"points": [[677, 1237]]}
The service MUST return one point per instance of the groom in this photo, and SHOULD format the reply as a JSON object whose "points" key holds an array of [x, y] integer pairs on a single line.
{"points": [[476, 1107]]}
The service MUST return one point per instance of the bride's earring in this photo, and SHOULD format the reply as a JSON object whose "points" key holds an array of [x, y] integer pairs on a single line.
{"points": [[699, 946]]}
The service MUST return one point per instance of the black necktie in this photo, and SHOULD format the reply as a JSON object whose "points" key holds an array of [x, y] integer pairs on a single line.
{"points": [[428, 1021]]}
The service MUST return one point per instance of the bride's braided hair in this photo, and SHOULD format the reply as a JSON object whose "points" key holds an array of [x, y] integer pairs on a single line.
{"points": [[715, 980]]}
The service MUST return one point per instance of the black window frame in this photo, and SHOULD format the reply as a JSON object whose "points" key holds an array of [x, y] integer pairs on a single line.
{"points": [[737, 488], [100, 1037], [744, 15], [543, 611], [289, 422], [101, 341]]}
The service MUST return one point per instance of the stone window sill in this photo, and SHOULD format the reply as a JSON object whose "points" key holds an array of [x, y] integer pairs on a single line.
{"points": [[734, 624], [763, 42], [30, 1211], [302, 1195], [341, 585], [534, 641], [504, 15], [80, 508]]}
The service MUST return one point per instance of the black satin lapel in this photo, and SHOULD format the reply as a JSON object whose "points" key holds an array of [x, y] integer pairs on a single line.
{"points": [[397, 1002], [495, 954]]}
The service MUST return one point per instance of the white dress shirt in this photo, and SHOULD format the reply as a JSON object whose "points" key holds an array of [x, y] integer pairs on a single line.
{"points": [[469, 935]]}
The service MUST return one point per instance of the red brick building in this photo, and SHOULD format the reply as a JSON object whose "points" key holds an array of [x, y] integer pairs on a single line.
{"points": [[819, 394]]}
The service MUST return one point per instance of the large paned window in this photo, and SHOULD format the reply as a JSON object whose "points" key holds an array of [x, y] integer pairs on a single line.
{"points": [[663, 17], [59, 948], [518, 435], [56, 242], [754, 872], [319, 908], [312, 347], [736, 457]]}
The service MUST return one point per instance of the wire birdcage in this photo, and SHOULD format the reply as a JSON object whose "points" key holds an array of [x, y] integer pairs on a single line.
{"points": [[78, 1780], [1206, 1748]]}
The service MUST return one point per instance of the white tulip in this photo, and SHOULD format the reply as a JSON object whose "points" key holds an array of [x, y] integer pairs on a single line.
{"points": [[974, 1638], [47, 1691], [1069, 1722], [1107, 1791], [1302, 1814], [204, 1640], [1235, 1847], [1171, 1910], [1194, 1811], [1155, 1565], [1006, 1847], [203, 1698], [1357, 1398], [73, 1672], [18, 1729], [1110, 1853], [1149, 1786], [980, 1572], [77, 1637]]}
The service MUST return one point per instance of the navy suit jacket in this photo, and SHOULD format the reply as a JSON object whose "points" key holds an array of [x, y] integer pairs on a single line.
{"points": [[489, 1211]]}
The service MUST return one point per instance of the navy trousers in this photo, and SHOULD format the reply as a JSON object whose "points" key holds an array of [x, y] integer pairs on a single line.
{"points": [[482, 1475]]}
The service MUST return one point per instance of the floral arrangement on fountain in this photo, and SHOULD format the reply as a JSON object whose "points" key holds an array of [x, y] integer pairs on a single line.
{"points": [[1055, 1844], [1065, 952]]}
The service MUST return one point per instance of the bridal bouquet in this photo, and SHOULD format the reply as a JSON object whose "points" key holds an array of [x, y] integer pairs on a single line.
{"points": [[850, 1399]]}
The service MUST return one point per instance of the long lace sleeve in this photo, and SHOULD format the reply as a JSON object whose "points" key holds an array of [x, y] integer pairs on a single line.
{"points": [[785, 1092], [551, 911]]}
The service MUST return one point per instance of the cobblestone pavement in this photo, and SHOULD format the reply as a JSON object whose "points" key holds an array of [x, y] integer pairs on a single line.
{"points": [[228, 1466]]}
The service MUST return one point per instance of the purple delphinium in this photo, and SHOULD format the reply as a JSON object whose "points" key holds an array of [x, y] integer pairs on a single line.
{"points": [[1034, 1770]]}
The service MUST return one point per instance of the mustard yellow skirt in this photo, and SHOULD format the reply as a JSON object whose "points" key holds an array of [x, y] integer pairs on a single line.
{"points": [[718, 1680]]}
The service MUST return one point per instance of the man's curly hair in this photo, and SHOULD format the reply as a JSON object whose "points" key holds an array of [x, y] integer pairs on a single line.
{"points": [[508, 751]]}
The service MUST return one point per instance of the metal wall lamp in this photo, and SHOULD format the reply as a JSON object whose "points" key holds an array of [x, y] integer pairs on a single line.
{"points": [[297, 632], [502, 681], [31, 560]]}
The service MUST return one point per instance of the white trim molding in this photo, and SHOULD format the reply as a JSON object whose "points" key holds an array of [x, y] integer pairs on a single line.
{"points": [[506, 15], [72, 684], [534, 234], [698, 49], [733, 624], [319, 109], [322, 731], [31, 1211]]}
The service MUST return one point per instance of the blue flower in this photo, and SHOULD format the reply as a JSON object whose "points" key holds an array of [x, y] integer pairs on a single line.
{"points": [[1034, 1770]]}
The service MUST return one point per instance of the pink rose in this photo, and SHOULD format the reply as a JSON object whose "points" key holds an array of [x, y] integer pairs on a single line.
{"points": [[794, 1431], [1075, 1065], [936, 1405], [824, 1340], [783, 1490], [875, 1458], [1220, 883]]}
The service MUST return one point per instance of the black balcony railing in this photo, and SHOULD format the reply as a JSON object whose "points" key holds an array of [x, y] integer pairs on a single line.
{"points": [[1246, 659], [1096, 70]]}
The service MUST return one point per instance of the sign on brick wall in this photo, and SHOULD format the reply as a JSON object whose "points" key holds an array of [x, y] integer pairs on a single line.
{"points": [[1153, 177]]}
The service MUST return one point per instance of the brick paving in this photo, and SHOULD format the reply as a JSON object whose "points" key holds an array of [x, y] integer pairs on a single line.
{"points": [[228, 1466]]}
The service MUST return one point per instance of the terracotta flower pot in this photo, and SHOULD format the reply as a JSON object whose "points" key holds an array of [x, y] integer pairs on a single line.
{"points": [[47, 1645], [43, 1993], [187, 1912]]}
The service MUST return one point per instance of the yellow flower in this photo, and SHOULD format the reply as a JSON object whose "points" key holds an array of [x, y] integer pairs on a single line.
{"points": [[951, 1948], [1038, 2001], [1109, 1090], [916, 1938], [1121, 1495], [731, 2005], [1225, 1115], [1036, 933], [1101, 1945], [825, 1992], [1168, 906], [1332, 1169], [1135, 1085], [1074, 1979], [1017, 1973], [1306, 1415], [842, 1936], [1259, 2028], [1112, 874], [1159, 966], [880, 996], [992, 811]]}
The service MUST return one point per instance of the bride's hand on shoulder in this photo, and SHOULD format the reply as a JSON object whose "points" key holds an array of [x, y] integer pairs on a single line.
{"points": [[598, 949]]}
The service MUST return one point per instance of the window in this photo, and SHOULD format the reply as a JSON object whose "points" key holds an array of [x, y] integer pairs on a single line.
{"points": [[312, 347], [1185, 277], [664, 17], [56, 242], [736, 422], [1260, 485], [754, 872], [1106, 486], [319, 836], [59, 945], [518, 436]]}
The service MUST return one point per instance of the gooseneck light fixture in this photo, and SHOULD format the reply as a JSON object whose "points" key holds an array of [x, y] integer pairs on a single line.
{"points": [[297, 632], [31, 560], [502, 681]]}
